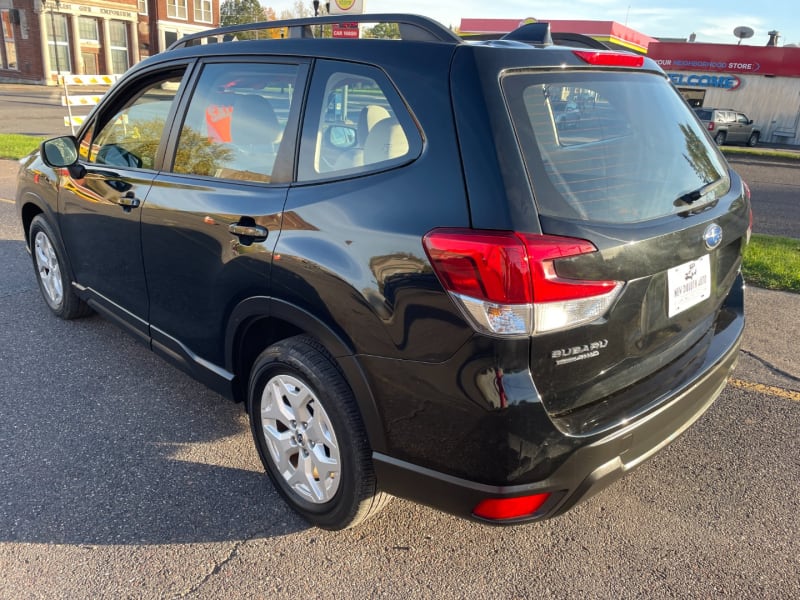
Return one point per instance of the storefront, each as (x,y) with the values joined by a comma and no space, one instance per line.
(760,81)
(41,39)
(45,38)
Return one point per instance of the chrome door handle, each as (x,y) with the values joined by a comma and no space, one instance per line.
(129,201)
(256,233)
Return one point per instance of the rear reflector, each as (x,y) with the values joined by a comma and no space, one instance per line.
(746,192)
(506,282)
(499,509)
(610,59)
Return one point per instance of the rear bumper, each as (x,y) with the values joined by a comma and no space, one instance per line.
(588,469)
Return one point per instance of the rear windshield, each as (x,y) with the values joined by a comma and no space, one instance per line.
(611,147)
(703,114)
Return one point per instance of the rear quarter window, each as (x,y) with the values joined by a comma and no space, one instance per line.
(355,123)
(610,147)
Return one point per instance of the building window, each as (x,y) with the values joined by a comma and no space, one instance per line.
(202,11)
(118,31)
(176,9)
(58,44)
(9,42)
(88,30)
(142,7)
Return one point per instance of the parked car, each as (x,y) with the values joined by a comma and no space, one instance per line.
(728,126)
(416,283)
(567,114)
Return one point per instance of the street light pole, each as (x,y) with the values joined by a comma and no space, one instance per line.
(53,27)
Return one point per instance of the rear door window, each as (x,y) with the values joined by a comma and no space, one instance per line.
(611,147)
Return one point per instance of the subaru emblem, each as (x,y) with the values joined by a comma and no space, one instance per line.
(712,236)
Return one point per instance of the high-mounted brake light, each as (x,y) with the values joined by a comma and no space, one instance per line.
(600,58)
(500,509)
(506,283)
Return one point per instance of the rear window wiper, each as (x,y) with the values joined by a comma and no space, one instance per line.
(695,195)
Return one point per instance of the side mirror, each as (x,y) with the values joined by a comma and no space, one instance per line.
(60,152)
(750,122)
(341,137)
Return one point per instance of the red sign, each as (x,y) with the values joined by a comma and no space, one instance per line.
(726,58)
(345,30)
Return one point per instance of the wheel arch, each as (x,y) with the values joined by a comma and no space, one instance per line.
(30,209)
(259,322)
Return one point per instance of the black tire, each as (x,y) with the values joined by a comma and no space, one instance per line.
(346,497)
(753,139)
(52,272)
(720,138)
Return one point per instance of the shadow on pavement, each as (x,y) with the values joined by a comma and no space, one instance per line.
(101,442)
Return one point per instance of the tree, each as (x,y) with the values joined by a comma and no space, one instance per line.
(239,12)
(300,10)
(383,31)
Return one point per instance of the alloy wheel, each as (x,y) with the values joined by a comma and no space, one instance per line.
(300,438)
(48,268)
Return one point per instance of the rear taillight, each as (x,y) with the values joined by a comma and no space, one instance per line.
(501,509)
(711,125)
(609,59)
(506,283)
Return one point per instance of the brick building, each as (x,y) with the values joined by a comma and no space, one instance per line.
(162,22)
(40,39)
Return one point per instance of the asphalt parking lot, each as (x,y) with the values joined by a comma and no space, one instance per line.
(123,478)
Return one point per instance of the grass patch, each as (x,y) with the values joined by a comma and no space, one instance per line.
(14,146)
(773,263)
(762,152)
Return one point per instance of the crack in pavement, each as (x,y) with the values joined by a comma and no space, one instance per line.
(234,552)
(217,568)
(771,367)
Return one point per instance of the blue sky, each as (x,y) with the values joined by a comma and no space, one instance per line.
(712,21)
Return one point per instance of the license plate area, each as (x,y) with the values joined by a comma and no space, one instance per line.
(688,284)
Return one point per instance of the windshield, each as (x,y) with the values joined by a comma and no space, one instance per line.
(611,147)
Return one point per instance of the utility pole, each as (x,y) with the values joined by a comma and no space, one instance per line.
(53,8)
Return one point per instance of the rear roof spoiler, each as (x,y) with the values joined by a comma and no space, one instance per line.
(537,34)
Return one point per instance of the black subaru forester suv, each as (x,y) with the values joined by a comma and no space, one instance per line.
(420,278)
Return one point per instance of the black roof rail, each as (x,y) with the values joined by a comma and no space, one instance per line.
(412,27)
